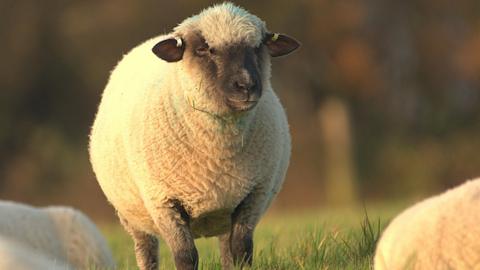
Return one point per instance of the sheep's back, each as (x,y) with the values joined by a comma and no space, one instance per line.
(57,232)
(441,232)
(14,255)
(30,227)
(84,244)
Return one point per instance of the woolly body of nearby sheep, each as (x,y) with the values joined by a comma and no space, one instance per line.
(16,256)
(442,232)
(183,146)
(63,234)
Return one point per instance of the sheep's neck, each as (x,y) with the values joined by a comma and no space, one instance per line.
(225,136)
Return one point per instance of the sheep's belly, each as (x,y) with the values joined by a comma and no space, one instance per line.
(212,223)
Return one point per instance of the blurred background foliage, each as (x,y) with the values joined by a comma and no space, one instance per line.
(383,97)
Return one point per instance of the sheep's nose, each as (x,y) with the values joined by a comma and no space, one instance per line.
(243,86)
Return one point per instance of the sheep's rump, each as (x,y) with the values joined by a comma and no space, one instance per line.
(442,232)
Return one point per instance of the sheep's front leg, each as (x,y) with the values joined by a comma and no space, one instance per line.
(173,224)
(146,247)
(236,247)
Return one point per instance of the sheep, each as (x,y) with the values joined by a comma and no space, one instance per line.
(190,139)
(59,232)
(16,256)
(441,232)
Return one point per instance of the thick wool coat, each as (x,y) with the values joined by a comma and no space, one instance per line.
(441,232)
(62,234)
(160,140)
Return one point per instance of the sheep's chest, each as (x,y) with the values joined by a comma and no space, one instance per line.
(207,182)
(207,167)
(211,181)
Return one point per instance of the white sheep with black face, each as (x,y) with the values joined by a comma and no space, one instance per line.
(60,234)
(190,139)
(441,232)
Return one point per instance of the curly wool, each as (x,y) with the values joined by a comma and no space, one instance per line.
(441,232)
(61,233)
(225,24)
(152,142)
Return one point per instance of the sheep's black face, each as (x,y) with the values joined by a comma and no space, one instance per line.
(228,76)
(233,71)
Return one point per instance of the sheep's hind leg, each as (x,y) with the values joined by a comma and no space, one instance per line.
(146,247)
(225,251)
(236,247)
(241,239)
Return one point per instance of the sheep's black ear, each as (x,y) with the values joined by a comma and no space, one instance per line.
(279,44)
(170,50)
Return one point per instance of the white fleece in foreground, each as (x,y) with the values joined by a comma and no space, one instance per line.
(442,232)
(15,256)
(61,233)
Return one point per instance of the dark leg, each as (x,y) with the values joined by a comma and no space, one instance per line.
(236,247)
(174,228)
(225,251)
(146,247)
(242,245)
(186,258)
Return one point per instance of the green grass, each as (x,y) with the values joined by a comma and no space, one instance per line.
(333,240)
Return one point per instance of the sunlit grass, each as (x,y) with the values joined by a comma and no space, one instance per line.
(333,240)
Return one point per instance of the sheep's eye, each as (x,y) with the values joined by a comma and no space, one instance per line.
(202,50)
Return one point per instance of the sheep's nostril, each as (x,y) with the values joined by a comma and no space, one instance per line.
(239,86)
(243,87)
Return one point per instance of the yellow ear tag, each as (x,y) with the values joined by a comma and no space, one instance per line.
(179,42)
(275,37)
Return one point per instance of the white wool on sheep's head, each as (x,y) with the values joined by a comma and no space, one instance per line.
(223,56)
(225,24)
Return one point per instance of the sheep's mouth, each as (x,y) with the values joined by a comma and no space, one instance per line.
(241,105)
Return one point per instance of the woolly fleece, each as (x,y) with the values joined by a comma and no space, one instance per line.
(442,232)
(16,256)
(151,145)
(58,232)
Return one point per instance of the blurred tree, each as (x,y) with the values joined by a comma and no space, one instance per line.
(339,173)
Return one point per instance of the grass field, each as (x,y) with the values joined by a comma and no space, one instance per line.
(324,240)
